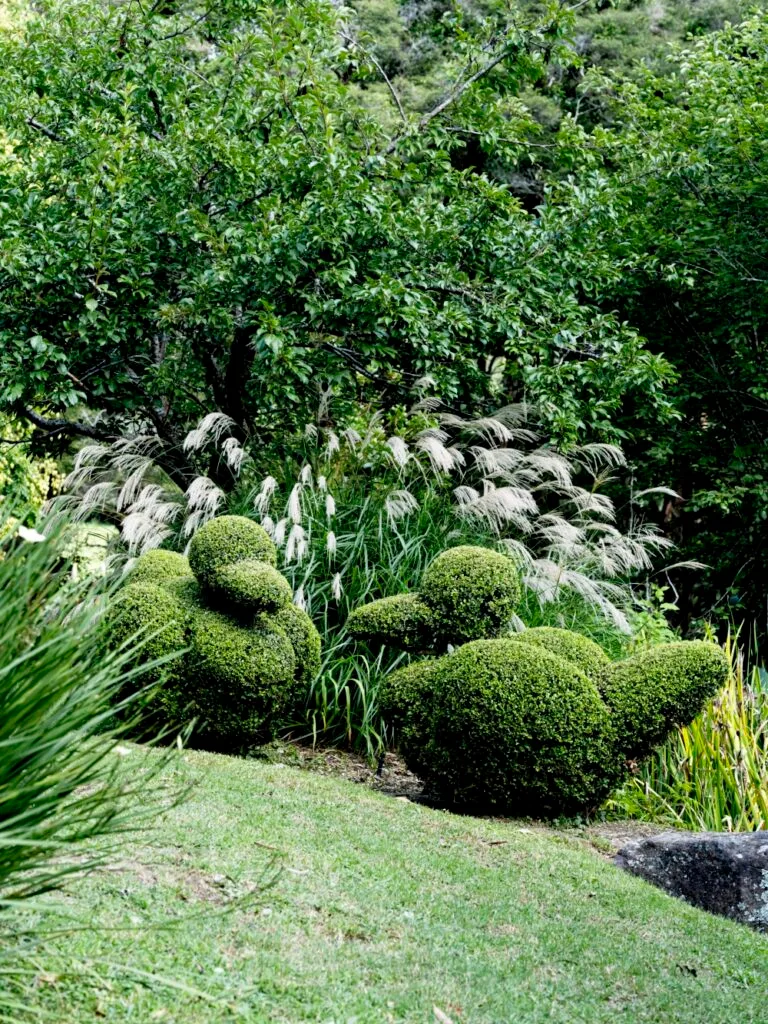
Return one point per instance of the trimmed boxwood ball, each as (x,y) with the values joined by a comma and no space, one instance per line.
(305,640)
(250,586)
(158,565)
(656,690)
(403,621)
(405,701)
(156,622)
(472,593)
(239,677)
(516,730)
(578,649)
(225,541)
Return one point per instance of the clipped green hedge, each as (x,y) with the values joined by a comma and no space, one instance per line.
(403,621)
(239,678)
(157,566)
(252,654)
(654,691)
(226,541)
(573,647)
(472,592)
(306,643)
(250,586)
(515,729)
(405,700)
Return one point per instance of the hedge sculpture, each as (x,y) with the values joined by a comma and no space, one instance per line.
(250,653)
(539,722)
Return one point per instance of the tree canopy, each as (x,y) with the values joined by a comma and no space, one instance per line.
(198,213)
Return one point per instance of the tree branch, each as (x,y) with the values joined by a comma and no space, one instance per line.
(44,130)
(451,98)
(60,426)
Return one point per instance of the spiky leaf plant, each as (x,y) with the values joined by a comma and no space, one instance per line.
(66,708)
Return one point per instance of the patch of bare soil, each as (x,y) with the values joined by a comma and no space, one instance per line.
(388,775)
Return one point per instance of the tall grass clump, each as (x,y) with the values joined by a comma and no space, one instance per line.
(713,773)
(66,708)
(358,513)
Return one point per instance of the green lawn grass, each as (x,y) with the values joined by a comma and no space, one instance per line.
(382,910)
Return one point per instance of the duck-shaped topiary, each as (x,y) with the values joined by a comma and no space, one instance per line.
(249,652)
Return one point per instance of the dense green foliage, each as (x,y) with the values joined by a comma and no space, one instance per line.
(660,688)
(669,210)
(214,218)
(250,654)
(573,647)
(514,728)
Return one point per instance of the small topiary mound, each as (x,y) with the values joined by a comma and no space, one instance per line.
(251,586)
(403,621)
(472,593)
(515,729)
(239,678)
(156,566)
(148,616)
(252,653)
(226,541)
(652,692)
(305,640)
(573,647)
(539,722)
(405,700)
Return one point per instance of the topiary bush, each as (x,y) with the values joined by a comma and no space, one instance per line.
(472,592)
(573,647)
(403,621)
(514,727)
(656,690)
(539,722)
(466,593)
(251,653)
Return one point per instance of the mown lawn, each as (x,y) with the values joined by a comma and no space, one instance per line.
(382,910)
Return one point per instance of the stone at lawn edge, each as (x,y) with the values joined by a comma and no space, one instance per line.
(724,873)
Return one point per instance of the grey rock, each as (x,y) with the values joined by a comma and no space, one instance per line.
(722,872)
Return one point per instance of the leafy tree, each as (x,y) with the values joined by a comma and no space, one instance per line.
(196,212)
(671,210)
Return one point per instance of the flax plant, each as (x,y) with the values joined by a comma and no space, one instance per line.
(712,774)
(66,708)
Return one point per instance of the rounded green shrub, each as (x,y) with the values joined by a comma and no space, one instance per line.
(573,647)
(654,691)
(472,593)
(250,587)
(251,654)
(151,616)
(516,730)
(305,640)
(158,565)
(403,621)
(239,677)
(225,541)
(405,701)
